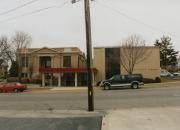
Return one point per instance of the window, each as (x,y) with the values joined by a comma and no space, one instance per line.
(117,77)
(45,62)
(24,61)
(112,62)
(24,75)
(67,61)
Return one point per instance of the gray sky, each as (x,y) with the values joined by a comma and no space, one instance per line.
(64,26)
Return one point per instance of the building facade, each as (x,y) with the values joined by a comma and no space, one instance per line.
(65,66)
(107,62)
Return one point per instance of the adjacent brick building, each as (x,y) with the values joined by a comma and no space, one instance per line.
(107,62)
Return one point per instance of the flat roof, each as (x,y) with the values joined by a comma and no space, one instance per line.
(121,46)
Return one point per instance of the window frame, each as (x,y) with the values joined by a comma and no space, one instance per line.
(67,61)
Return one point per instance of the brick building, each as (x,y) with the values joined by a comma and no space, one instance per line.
(64,65)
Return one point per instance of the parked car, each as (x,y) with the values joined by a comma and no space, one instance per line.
(177,74)
(14,86)
(165,73)
(133,81)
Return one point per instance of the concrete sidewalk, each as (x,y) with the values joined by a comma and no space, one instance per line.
(164,118)
(84,88)
(68,88)
(61,89)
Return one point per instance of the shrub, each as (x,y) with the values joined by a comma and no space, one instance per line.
(98,83)
(148,80)
(158,80)
(12,79)
(35,80)
(25,80)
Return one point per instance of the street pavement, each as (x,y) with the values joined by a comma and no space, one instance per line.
(104,100)
(148,108)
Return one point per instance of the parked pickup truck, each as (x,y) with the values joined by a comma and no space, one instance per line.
(133,81)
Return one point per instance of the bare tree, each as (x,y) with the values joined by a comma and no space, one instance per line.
(133,51)
(6,51)
(20,40)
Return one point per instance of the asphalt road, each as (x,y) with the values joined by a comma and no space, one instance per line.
(104,100)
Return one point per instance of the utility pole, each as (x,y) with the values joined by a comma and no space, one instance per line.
(89,55)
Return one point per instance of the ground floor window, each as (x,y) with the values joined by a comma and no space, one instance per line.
(82,79)
(24,75)
(67,79)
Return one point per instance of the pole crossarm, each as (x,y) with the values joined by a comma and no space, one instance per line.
(75,1)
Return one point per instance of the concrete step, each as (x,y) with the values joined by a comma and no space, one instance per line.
(50,120)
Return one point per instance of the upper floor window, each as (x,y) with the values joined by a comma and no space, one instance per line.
(24,61)
(45,62)
(67,61)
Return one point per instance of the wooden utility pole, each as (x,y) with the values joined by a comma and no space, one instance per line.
(89,55)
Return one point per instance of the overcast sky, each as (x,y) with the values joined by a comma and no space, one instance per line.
(112,21)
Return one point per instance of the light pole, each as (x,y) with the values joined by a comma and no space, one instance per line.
(89,54)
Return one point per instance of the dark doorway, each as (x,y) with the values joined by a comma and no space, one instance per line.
(68,79)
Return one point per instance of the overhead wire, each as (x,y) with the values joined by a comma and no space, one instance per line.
(18,7)
(131,18)
(34,12)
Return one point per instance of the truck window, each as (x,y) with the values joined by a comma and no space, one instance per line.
(117,77)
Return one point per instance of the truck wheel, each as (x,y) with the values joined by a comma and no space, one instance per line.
(106,87)
(135,85)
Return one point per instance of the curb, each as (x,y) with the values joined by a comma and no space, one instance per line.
(84,89)
(164,84)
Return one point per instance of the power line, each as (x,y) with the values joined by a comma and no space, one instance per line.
(131,18)
(34,12)
(18,7)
